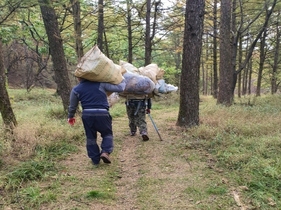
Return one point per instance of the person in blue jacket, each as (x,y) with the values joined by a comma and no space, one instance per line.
(95,116)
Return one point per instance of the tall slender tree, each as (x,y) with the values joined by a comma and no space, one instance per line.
(192,46)
(150,29)
(147,34)
(77,28)
(225,95)
(130,32)
(276,59)
(100,25)
(215,49)
(56,49)
(261,61)
(6,110)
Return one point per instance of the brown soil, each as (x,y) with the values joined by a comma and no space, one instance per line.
(136,160)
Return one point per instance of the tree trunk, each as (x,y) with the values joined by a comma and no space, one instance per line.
(225,94)
(274,85)
(261,63)
(100,26)
(56,50)
(245,72)
(215,56)
(204,79)
(250,70)
(192,47)
(240,55)
(6,110)
(130,32)
(77,28)
(205,67)
(234,44)
(147,34)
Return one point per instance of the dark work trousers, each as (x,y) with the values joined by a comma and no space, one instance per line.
(97,120)
(136,115)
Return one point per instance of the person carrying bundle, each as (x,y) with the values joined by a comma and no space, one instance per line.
(137,107)
(95,116)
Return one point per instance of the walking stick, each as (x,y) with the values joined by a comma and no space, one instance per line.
(155,127)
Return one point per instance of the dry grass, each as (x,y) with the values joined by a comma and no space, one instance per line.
(230,161)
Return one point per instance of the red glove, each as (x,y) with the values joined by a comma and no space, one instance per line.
(147,111)
(71,121)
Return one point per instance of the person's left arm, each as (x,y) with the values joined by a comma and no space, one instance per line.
(149,103)
(115,88)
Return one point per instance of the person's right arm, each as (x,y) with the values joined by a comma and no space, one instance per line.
(73,103)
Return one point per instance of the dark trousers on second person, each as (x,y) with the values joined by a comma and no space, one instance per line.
(136,115)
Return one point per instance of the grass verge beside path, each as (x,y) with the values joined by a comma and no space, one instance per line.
(230,161)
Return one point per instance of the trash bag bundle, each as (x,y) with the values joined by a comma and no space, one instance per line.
(162,87)
(153,72)
(137,84)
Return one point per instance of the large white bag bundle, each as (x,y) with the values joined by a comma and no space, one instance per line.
(137,84)
(152,71)
(129,67)
(95,66)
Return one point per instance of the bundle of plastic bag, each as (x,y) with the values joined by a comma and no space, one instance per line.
(162,87)
(137,84)
(112,99)
(95,66)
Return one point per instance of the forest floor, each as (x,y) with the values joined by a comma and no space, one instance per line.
(179,172)
(144,175)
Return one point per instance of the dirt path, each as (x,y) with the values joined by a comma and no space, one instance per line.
(129,171)
(149,174)
(152,161)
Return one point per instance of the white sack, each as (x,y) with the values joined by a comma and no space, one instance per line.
(129,67)
(152,71)
(95,66)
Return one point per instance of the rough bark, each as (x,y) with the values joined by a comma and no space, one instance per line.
(225,94)
(250,71)
(77,28)
(240,57)
(192,47)
(261,63)
(56,50)
(147,34)
(215,56)
(100,26)
(6,110)
(130,32)
(274,85)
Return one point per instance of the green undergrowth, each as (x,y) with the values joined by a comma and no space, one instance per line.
(234,149)
(244,141)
